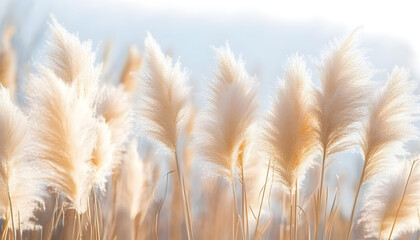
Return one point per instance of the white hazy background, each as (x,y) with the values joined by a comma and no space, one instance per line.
(263,32)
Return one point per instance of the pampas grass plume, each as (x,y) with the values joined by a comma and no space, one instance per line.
(226,124)
(390,122)
(20,173)
(289,136)
(66,134)
(163,103)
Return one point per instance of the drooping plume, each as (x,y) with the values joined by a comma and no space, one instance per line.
(20,173)
(66,135)
(226,124)
(383,198)
(344,76)
(289,136)
(163,103)
(390,122)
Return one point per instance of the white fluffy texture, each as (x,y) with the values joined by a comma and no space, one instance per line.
(163,102)
(383,197)
(115,107)
(344,76)
(390,122)
(73,61)
(136,182)
(289,135)
(225,125)
(103,154)
(19,174)
(66,135)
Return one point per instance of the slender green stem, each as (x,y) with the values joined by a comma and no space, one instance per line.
(402,199)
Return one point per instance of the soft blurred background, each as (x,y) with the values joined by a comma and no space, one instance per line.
(265,33)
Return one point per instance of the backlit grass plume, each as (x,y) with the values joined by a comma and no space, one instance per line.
(8,61)
(73,61)
(225,125)
(389,125)
(114,106)
(21,181)
(66,135)
(344,75)
(136,182)
(132,65)
(289,136)
(103,154)
(392,204)
(163,106)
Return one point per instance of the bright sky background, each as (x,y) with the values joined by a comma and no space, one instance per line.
(396,18)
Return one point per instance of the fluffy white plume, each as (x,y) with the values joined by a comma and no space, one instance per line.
(115,107)
(103,154)
(289,136)
(224,126)
(136,182)
(163,103)
(73,61)
(66,135)
(344,76)
(390,122)
(20,174)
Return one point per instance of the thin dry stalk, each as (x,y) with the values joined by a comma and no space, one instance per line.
(262,198)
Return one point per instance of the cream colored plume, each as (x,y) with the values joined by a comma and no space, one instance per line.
(289,135)
(8,61)
(132,65)
(136,182)
(224,128)
(114,106)
(390,122)
(66,135)
(344,76)
(20,173)
(73,61)
(382,200)
(103,154)
(164,96)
